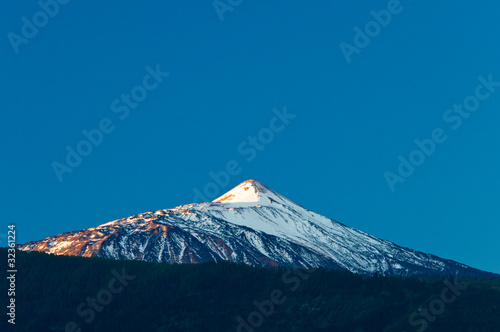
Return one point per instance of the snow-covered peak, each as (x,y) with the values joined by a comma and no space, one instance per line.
(252,192)
(254,205)
(245,192)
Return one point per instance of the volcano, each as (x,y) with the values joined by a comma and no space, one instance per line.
(250,224)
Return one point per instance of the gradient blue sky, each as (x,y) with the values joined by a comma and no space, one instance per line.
(353,120)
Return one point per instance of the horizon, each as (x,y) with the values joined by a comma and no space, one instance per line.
(380,115)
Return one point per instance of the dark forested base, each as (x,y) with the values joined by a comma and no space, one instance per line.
(52,291)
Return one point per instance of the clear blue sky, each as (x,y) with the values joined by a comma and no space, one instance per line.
(353,120)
